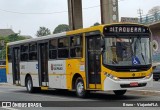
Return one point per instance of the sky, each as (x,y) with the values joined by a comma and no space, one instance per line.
(27,16)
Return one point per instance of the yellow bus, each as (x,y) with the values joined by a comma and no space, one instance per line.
(113,57)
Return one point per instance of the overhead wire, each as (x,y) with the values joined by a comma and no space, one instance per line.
(56,12)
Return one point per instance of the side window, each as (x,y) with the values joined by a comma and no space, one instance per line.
(63,47)
(33,51)
(24,52)
(53,49)
(9,54)
(2,62)
(76,46)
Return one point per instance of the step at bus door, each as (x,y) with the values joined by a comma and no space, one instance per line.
(43,64)
(16,65)
(93,61)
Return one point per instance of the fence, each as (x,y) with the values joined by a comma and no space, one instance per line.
(150,19)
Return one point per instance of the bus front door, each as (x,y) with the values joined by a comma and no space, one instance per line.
(93,62)
(16,65)
(43,64)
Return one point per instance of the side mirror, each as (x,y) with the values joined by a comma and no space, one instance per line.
(102,43)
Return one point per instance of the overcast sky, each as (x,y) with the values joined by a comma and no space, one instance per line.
(29,23)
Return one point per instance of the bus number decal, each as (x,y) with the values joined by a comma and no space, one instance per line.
(82,68)
(22,66)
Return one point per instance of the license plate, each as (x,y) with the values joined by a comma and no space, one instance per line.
(134,84)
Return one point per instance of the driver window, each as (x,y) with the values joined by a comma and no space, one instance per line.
(111,50)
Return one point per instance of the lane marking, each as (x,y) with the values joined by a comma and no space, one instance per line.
(147,91)
(41,95)
(7,108)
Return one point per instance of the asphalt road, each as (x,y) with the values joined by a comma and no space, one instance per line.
(14,93)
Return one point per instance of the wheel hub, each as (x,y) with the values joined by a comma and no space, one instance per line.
(29,85)
(80,87)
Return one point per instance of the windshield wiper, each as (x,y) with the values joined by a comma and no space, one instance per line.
(135,46)
(141,49)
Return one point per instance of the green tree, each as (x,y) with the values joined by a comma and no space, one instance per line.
(13,37)
(43,31)
(61,28)
(6,39)
(96,24)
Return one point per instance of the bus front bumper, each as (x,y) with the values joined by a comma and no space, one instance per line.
(127,84)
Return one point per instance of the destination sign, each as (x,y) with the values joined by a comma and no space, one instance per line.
(126,29)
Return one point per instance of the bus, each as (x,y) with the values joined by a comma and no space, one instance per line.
(114,57)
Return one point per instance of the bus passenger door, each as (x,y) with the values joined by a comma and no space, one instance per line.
(16,65)
(43,64)
(93,61)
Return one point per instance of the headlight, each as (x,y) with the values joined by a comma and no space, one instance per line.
(112,77)
(148,76)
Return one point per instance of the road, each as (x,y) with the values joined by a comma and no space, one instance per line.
(15,93)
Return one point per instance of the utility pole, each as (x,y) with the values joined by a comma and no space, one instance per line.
(140,12)
(109,11)
(75,14)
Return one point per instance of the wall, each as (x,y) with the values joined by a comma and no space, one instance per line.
(156,43)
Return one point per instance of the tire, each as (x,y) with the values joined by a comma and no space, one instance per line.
(79,85)
(119,92)
(156,79)
(29,85)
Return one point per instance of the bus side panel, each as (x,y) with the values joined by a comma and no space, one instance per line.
(10,74)
(33,71)
(57,74)
(74,66)
(23,72)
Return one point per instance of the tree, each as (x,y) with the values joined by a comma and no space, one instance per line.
(96,24)
(43,31)
(61,28)
(13,37)
(154,10)
(7,39)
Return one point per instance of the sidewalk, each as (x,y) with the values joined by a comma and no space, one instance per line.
(6,84)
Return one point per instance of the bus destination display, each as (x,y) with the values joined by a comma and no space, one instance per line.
(126,29)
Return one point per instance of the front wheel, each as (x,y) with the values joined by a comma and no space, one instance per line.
(29,85)
(119,92)
(79,85)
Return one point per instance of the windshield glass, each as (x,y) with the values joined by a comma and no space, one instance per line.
(127,51)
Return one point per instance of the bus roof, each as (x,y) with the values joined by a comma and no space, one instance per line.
(37,39)
(83,30)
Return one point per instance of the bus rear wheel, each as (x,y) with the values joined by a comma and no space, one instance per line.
(79,85)
(29,85)
(119,92)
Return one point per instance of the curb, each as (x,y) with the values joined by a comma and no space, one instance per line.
(153,91)
(6,84)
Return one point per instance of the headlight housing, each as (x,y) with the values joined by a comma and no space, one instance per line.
(148,76)
(112,77)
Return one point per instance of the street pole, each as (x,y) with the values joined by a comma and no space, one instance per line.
(140,12)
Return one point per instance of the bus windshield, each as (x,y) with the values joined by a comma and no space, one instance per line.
(127,51)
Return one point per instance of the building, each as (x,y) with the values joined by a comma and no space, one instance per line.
(6,32)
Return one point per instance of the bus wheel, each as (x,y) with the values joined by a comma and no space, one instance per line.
(79,85)
(29,85)
(119,92)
